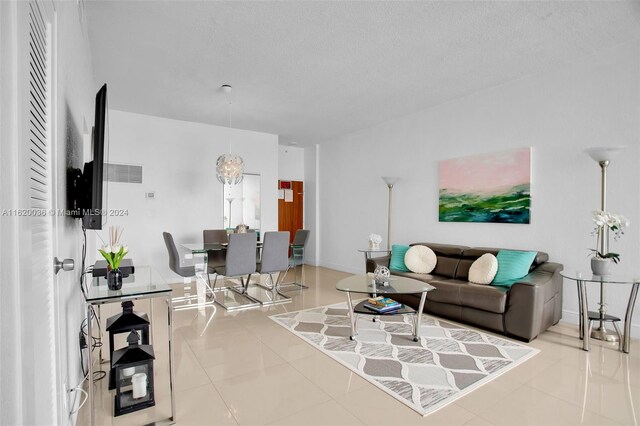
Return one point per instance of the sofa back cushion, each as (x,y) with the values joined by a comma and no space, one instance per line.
(448,257)
(396,263)
(471,254)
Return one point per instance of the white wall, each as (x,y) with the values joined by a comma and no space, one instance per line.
(560,113)
(290,163)
(178,160)
(311,217)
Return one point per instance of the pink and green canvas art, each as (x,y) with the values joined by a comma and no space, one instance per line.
(492,187)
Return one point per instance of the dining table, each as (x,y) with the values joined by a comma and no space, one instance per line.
(201,252)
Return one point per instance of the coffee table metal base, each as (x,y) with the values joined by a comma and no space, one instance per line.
(359,309)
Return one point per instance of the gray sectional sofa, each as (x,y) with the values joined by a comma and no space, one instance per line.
(525,310)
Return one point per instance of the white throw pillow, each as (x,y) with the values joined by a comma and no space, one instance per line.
(420,259)
(484,269)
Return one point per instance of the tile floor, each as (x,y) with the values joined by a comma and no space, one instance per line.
(242,368)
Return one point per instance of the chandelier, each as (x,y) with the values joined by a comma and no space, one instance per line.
(229,167)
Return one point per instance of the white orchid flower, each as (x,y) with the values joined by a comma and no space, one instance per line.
(116,248)
(106,248)
(126,249)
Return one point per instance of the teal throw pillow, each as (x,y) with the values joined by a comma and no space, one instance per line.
(512,265)
(397,258)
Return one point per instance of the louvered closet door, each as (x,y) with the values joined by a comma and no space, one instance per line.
(39,347)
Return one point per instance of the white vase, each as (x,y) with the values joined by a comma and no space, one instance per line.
(600,266)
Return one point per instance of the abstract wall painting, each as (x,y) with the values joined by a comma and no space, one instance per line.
(492,187)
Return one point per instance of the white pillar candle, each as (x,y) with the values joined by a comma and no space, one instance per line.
(139,382)
(128,372)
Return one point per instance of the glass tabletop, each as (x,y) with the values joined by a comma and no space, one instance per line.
(144,282)
(368,250)
(204,248)
(396,285)
(590,277)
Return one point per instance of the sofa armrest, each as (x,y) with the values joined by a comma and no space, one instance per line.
(377,261)
(524,313)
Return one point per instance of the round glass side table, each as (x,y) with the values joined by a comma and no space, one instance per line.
(587,317)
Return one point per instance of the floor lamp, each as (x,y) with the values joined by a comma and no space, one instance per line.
(390,181)
(603,156)
(230,200)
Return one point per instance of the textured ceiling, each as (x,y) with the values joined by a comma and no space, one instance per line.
(310,71)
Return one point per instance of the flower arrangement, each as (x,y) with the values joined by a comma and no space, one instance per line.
(613,222)
(114,252)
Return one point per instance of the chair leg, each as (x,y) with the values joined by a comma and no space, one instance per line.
(294,283)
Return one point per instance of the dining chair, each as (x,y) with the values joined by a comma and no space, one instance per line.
(185,271)
(215,258)
(275,259)
(296,259)
(240,262)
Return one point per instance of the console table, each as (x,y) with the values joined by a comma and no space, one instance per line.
(145,283)
(587,317)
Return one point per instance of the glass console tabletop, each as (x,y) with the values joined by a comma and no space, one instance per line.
(145,282)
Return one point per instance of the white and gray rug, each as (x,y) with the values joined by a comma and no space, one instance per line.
(449,361)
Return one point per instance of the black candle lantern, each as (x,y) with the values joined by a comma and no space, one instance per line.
(133,370)
(123,323)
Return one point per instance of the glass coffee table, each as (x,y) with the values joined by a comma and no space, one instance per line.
(365,284)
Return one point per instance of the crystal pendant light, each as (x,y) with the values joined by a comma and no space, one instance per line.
(229,167)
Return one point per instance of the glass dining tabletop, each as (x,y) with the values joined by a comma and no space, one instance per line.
(395,285)
(207,247)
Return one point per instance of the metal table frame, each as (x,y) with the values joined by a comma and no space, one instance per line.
(386,290)
(202,275)
(121,298)
(585,320)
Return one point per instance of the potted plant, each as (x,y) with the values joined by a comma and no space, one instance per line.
(605,222)
(113,254)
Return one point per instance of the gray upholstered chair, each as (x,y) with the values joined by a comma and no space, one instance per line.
(185,271)
(297,257)
(275,259)
(215,258)
(174,258)
(240,262)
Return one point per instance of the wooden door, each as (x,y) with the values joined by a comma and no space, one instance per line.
(290,213)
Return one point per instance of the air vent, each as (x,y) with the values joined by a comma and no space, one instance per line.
(124,173)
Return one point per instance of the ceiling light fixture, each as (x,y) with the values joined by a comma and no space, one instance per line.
(229,167)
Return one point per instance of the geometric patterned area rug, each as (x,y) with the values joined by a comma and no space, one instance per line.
(449,361)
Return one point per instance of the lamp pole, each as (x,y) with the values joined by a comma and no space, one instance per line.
(603,156)
(390,181)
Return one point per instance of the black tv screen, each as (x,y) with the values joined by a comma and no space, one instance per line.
(94,170)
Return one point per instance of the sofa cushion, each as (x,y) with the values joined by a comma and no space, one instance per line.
(448,257)
(484,269)
(446,291)
(420,259)
(421,277)
(397,258)
(512,265)
(471,254)
(484,297)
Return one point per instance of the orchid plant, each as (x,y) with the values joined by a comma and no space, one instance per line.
(612,222)
(114,252)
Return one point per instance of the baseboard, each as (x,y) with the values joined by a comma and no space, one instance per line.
(571,317)
(343,268)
